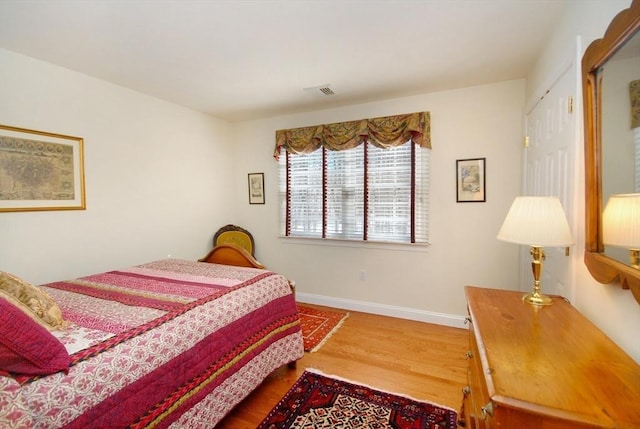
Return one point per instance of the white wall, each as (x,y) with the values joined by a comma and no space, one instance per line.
(155,175)
(612,309)
(483,121)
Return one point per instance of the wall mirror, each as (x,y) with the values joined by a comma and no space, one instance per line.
(609,65)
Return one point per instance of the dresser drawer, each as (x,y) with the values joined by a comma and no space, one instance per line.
(477,396)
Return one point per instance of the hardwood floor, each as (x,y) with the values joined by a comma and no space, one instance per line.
(421,360)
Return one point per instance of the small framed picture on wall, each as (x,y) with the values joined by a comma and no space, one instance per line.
(470,180)
(256,188)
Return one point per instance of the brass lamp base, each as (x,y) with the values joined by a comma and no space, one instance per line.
(634,258)
(536,298)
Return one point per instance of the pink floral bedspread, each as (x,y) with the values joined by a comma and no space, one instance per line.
(171,343)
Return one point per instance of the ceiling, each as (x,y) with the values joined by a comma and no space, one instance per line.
(248,59)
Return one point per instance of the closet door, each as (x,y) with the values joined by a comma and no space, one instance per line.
(550,170)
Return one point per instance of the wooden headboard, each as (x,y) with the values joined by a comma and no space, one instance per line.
(230,254)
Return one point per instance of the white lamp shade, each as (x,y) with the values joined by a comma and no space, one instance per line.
(621,221)
(536,221)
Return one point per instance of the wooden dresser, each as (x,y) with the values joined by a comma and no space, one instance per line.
(543,367)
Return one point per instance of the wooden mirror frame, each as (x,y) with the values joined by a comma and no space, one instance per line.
(602,267)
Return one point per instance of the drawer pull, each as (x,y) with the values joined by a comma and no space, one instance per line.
(466,390)
(487,410)
(468,355)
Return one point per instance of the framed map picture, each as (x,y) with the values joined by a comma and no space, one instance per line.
(40,171)
(470,180)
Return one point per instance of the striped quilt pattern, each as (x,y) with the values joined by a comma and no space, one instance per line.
(168,344)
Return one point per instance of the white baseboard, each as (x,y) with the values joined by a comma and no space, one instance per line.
(383,310)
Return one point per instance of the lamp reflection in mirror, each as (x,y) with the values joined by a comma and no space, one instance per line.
(538,222)
(621,225)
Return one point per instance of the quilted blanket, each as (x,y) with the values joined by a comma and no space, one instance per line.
(171,343)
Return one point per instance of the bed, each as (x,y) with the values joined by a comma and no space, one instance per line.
(170,343)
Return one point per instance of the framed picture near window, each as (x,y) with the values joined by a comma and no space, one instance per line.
(40,171)
(470,180)
(256,188)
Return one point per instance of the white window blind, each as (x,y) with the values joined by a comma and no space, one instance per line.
(389,193)
(364,193)
(305,195)
(345,193)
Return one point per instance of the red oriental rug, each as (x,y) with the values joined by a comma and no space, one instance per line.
(318,401)
(318,326)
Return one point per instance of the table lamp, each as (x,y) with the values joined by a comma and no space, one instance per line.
(621,225)
(538,222)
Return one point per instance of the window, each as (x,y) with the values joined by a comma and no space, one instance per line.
(363,193)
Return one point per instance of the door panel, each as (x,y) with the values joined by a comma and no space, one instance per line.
(550,170)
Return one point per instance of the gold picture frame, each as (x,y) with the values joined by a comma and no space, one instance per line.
(256,188)
(470,180)
(40,171)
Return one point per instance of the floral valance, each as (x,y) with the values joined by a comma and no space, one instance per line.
(383,132)
(634,93)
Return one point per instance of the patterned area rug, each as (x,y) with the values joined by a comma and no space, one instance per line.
(318,401)
(318,326)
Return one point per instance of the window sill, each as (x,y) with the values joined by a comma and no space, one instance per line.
(405,247)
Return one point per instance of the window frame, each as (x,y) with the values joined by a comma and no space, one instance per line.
(415,207)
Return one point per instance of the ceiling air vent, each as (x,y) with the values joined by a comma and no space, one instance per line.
(320,90)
